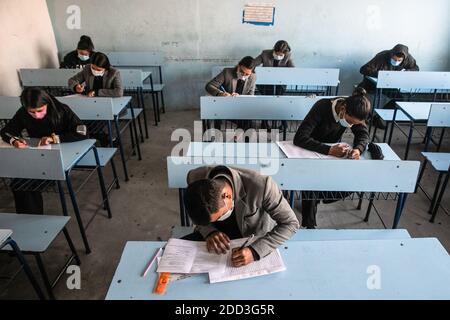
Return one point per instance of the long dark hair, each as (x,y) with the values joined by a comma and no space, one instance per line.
(282,46)
(85,43)
(101,60)
(34,97)
(358,104)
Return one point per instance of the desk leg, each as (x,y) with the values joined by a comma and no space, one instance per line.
(44,275)
(439,199)
(163,104)
(77,213)
(102,183)
(398,210)
(26,268)
(408,144)
(436,192)
(133,124)
(71,246)
(292,199)
(392,126)
(142,103)
(182,213)
(369,208)
(422,171)
(121,151)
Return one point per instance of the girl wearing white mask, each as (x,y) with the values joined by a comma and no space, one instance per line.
(322,131)
(80,57)
(98,79)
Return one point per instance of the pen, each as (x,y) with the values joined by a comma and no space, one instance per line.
(223,89)
(246,242)
(15,138)
(155,256)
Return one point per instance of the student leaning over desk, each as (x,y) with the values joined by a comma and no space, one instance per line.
(98,79)
(226,203)
(43,117)
(79,57)
(325,124)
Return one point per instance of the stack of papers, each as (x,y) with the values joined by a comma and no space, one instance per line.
(192,257)
(293,152)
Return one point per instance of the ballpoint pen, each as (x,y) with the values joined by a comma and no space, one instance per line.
(246,242)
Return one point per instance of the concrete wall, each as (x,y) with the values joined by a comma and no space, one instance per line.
(198,34)
(27,41)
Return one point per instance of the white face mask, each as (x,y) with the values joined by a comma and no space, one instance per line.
(344,123)
(83,58)
(277,57)
(227,214)
(97,73)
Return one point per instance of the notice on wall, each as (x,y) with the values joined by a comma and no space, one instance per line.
(262,14)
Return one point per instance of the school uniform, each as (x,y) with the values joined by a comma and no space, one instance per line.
(228,80)
(109,85)
(72,61)
(260,209)
(381,62)
(65,126)
(321,126)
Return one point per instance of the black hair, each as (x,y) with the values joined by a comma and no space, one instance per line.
(203,198)
(358,104)
(282,46)
(399,54)
(34,97)
(100,60)
(85,43)
(247,62)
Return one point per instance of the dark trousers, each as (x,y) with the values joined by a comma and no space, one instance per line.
(29,202)
(311,199)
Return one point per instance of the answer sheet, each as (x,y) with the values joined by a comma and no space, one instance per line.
(271,264)
(294,152)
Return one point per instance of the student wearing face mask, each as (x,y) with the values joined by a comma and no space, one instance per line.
(45,118)
(232,82)
(278,57)
(226,203)
(79,57)
(325,124)
(396,59)
(98,79)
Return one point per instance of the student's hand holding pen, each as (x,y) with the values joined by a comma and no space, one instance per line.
(339,150)
(20,144)
(243,255)
(224,94)
(79,88)
(355,154)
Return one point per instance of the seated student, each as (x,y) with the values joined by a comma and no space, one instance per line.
(236,81)
(43,117)
(98,79)
(278,57)
(325,124)
(226,203)
(396,59)
(79,57)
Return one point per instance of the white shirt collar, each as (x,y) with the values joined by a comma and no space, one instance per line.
(333,108)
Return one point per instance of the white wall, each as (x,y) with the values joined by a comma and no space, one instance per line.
(198,34)
(27,41)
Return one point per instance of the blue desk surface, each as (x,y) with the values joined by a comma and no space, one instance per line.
(254,150)
(72,152)
(417,111)
(439,160)
(4,235)
(33,233)
(409,269)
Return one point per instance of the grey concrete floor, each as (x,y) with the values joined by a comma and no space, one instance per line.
(145,209)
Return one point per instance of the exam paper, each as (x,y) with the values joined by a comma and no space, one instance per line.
(270,264)
(182,256)
(292,151)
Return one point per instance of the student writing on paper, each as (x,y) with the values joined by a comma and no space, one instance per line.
(240,80)
(325,124)
(396,59)
(81,56)
(226,203)
(43,117)
(98,79)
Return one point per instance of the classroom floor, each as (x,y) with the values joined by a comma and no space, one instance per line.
(146,209)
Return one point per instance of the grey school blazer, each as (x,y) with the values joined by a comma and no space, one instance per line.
(112,83)
(228,79)
(259,206)
(266,59)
